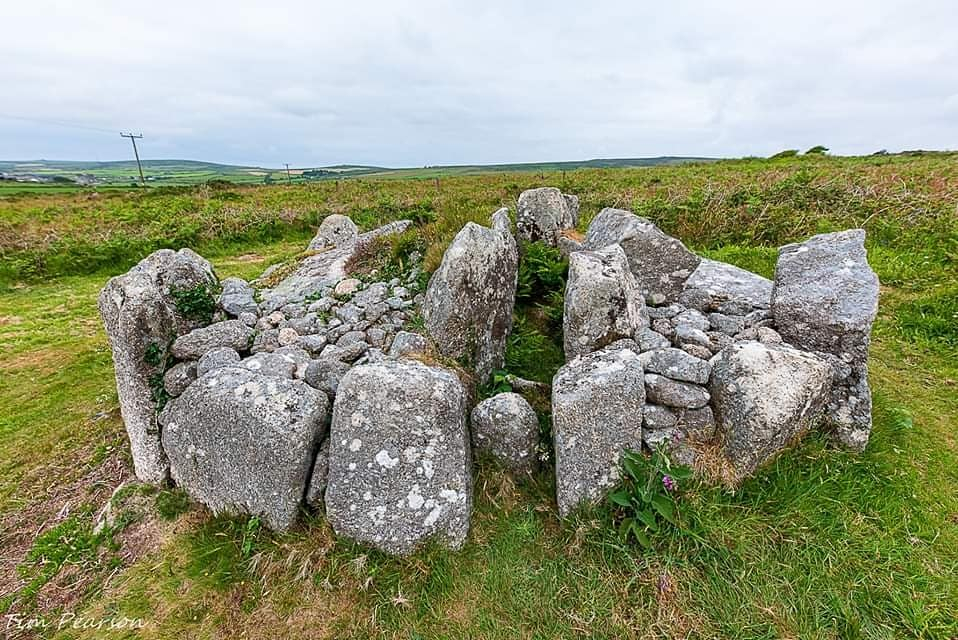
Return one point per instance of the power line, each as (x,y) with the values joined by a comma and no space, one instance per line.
(59,123)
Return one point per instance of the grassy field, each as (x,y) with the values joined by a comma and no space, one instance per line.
(822,544)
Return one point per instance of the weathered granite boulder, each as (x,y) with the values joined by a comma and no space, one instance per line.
(603,303)
(323,269)
(469,300)
(764,398)
(677,364)
(141,318)
(501,221)
(217,358)
(506,427)
(229,333)
(673,393)
(399,459)
(237,297)
(825,299)
(542,213)
(178,377)
(407,343)
(335,230)
(325,373)
(241,442)
(714,283)
(661,264)
(597,407)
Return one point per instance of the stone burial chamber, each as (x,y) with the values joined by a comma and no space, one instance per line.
(327,387)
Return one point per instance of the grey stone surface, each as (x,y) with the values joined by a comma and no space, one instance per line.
(139,316)
(316,490)
(335,230)
(270,364)
(265,340)
(720,283)
(178,377)
(698,425)
(287,336)
(764,335)
(656,417)
(406,343)
(672,393)
(692,318)
(501,221)
(237,297)
(687,334)
(677,364)
(825,299)
(729,325)
(324,374)
(542,213)
(764,398)
(597,408)
(602,301)
(313,344)
(506,427)
(399,458)
(216,358)
(649,339)
(229,333)
(469,301)
(345,353)
(241,442)
(661,264)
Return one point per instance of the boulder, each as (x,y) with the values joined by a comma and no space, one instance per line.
(715,283)
(408,343)
(178,377)
(506,427)
(597,407)
(825,299)
(661,264)
(229,333)
(335,231)
(216,359)
(501,221)
(469,300)
(325,373)
(672,393)
(237,297)
(243,443)
(542,213)
(677,364)
(140,318)
(764,398)
(399,460)
(602,301)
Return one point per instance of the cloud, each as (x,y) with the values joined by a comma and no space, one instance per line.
(415,83)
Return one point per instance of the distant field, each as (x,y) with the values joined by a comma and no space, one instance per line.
(822,544)
(190,172)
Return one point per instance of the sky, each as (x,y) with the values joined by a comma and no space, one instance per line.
(408,84)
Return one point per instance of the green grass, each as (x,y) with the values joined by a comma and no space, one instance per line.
(822,544)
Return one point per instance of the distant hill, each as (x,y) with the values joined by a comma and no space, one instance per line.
(64,173)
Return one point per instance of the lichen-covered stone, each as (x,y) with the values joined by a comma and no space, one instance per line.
(717,283)
(603,303)
(469,300)
(178,377)
(141,318)
(597,407)
(243,443)
(677,364)
(672,393)
(399,459)
(335,230)
(408,343)
(506,427)
(764,398)
(236,297)
(825,299)
(542,213)
(229,333)
(661,264)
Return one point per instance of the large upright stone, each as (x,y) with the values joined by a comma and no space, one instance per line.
(825,299)
(244,443)
(597,407)
(661,263)
(141,319)
(336,230)
(543,213)
(764,398)
(603,303)
(469,301)
(714,283)
(399,460)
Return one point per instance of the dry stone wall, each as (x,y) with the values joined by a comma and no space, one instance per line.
(314,388)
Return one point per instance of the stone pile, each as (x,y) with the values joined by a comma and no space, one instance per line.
(310,390)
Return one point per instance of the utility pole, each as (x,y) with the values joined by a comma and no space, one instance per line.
(289,181)
(133,138)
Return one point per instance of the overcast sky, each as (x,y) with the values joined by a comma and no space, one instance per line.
(415,83)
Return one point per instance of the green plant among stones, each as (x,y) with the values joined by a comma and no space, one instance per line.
(647,503)
(196,303)
(498,383)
